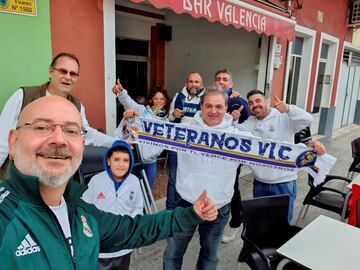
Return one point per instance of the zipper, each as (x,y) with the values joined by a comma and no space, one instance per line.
(73,260)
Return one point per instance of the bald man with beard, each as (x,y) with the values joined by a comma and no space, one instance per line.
(44,223)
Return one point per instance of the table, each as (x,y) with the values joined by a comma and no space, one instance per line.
(325,244)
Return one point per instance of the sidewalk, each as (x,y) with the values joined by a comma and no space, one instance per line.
(338,146)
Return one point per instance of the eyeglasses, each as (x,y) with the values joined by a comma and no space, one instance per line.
(63,72)
(71,131)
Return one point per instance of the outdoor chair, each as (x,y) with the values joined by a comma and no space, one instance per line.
(303,136)
(91,164)
(328,197)
(266,228)
(355,165)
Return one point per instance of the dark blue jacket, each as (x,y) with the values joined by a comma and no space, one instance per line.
(235,103)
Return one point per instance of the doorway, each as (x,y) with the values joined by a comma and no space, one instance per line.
(132,65)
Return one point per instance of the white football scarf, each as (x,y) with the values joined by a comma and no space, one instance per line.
(206,142)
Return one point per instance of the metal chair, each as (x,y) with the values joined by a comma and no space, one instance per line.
(266,228)
(327,197)
(139,171)
(355,165)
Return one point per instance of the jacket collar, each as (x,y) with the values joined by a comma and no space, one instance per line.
(27,187)
(199,93)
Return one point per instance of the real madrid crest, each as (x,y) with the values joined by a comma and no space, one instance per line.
(86,229)
(130,130)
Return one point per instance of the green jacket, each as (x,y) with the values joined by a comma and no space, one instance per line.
(31,237)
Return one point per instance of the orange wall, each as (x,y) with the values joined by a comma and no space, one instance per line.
(77,27)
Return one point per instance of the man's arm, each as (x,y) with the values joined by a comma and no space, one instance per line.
(299,119)
(129,103)
(94,137)
(249,125)
(8,120)
(123,232)
(125,99)
(245,112)
(172,108)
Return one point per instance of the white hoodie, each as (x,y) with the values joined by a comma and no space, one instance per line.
(279,127)
(195,173)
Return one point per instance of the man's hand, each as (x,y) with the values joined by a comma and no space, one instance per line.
(117,88)
(237,113)
(280,105)
(234,94)
(130,113)
(205,208)
(318,147)
(178,113)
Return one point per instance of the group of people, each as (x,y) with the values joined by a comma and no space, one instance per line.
(42,136)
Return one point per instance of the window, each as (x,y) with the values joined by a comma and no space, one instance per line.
(321,78)
(294,72)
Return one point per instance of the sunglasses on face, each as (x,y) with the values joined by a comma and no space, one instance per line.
(64,72)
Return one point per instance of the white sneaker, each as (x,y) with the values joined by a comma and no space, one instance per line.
(230,235)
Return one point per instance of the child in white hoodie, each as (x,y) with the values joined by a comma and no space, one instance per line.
(117,191)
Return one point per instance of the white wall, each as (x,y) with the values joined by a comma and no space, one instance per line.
(207,47)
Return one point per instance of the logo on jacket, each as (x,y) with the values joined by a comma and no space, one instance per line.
(3,194)
(100,196)
(86,229)
(131,197)
(27,247)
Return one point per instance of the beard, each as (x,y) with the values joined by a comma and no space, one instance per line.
(48,177)
(192,91)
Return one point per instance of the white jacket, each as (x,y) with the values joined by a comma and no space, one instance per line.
(195,173)
(127,200)
(10,115)
(148,154)
(280,127)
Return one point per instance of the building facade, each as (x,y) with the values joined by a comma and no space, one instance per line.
(299,51)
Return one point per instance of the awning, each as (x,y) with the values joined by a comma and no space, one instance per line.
(234,12)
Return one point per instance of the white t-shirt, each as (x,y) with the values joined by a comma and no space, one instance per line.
(61,213)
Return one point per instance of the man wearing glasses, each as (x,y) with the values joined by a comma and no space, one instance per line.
(44,222)
(63,72)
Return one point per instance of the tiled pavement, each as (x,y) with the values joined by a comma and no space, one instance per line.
(338,146)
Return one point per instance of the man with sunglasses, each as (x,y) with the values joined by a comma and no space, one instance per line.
(63,73)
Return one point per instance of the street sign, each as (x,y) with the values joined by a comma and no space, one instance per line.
(21,7)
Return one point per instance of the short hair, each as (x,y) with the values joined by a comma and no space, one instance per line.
(214,90)
(154,91)
(226,71)
(193,72)
(117,150)
(64,54)
(255,92)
